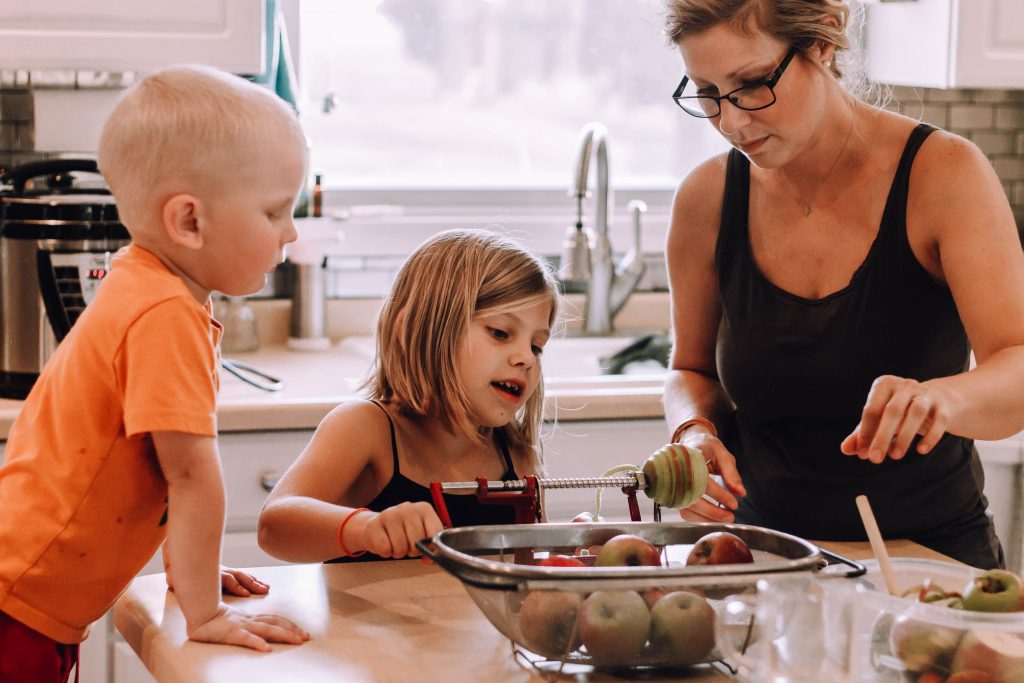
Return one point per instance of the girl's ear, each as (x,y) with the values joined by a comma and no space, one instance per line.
(181,222)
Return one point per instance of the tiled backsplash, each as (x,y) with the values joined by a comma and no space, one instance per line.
(992,119)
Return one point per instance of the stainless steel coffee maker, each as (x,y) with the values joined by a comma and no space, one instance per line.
(59,229)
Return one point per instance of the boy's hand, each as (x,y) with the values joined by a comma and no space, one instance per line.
(393,532)
(232,626)
(242,584)
(232,582)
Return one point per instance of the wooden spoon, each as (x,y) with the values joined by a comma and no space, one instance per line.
(877,544)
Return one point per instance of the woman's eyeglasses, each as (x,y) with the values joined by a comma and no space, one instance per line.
(750,97)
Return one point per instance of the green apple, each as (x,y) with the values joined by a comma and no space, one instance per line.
(922,646)
(547,622)
(628,550)
(996,590)
(682,628)
(614,626)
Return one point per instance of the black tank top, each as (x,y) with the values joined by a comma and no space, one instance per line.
(464,509)
(799,371)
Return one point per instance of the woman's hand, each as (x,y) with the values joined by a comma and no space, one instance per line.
(896,411)
(721,462)
(394,532)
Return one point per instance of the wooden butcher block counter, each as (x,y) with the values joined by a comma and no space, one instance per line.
(377,621)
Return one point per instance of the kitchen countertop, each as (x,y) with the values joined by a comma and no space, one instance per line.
(374,621)
(316,381)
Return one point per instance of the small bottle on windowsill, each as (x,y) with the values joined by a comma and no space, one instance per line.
(318,197)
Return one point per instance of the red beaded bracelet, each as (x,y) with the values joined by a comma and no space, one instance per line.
(341,528)
(704,422)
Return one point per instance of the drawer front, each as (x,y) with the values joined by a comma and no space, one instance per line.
(253,461)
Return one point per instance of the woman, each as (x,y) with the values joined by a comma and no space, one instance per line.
(829,277)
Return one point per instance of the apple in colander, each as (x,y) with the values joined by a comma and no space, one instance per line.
(614,626)
(547,622)
(682,628)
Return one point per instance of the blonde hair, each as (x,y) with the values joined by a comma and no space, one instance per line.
(452,277)
(799,23)
(185,129)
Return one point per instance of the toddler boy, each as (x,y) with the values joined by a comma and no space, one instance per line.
(114,451)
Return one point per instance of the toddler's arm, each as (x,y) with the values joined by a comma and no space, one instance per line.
(233,581)
(195,522)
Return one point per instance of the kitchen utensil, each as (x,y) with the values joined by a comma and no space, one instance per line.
(867,516)
(480,557)
(58,231)
(250,375)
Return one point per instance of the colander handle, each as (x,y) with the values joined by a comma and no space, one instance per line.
(856,568)
(465,574)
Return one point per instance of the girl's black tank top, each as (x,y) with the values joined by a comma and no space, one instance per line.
(464,510)
(799,371)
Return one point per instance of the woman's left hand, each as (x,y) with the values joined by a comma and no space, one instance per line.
(897,410)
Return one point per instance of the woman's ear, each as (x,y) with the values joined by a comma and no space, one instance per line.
(181,221)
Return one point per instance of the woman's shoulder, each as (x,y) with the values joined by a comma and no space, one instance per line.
(697,206)
(707,177)
(942,154)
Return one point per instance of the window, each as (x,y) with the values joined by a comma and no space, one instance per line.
(491,94)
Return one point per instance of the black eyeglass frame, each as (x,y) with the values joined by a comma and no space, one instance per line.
(769,82)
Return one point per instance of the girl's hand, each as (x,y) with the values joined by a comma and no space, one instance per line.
(232,626)
(721,462)
(237,582)
(897,410)
(394,532)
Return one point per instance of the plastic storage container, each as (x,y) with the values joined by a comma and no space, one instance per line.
(896,639)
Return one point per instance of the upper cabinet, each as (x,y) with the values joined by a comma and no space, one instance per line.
(136,35)
(946,43)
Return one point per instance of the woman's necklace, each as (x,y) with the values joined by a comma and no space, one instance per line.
(807,203)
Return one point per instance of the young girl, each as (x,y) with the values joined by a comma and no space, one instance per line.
(455,393)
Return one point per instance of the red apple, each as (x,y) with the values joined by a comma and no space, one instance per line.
(614,626)
(931,677)
(720,547)
(996,590)
(560,561)
(922,646)
(682,628)
(627,550)
(547,622)
(997,653)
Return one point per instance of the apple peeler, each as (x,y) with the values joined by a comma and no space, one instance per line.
(524,494)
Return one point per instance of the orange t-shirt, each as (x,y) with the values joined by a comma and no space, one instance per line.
(83,502)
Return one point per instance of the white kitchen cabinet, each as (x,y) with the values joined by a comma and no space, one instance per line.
(946,43)
(114,35)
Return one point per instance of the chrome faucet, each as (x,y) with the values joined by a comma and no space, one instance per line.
(587,254)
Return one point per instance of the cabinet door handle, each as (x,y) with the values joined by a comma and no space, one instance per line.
(268,480)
